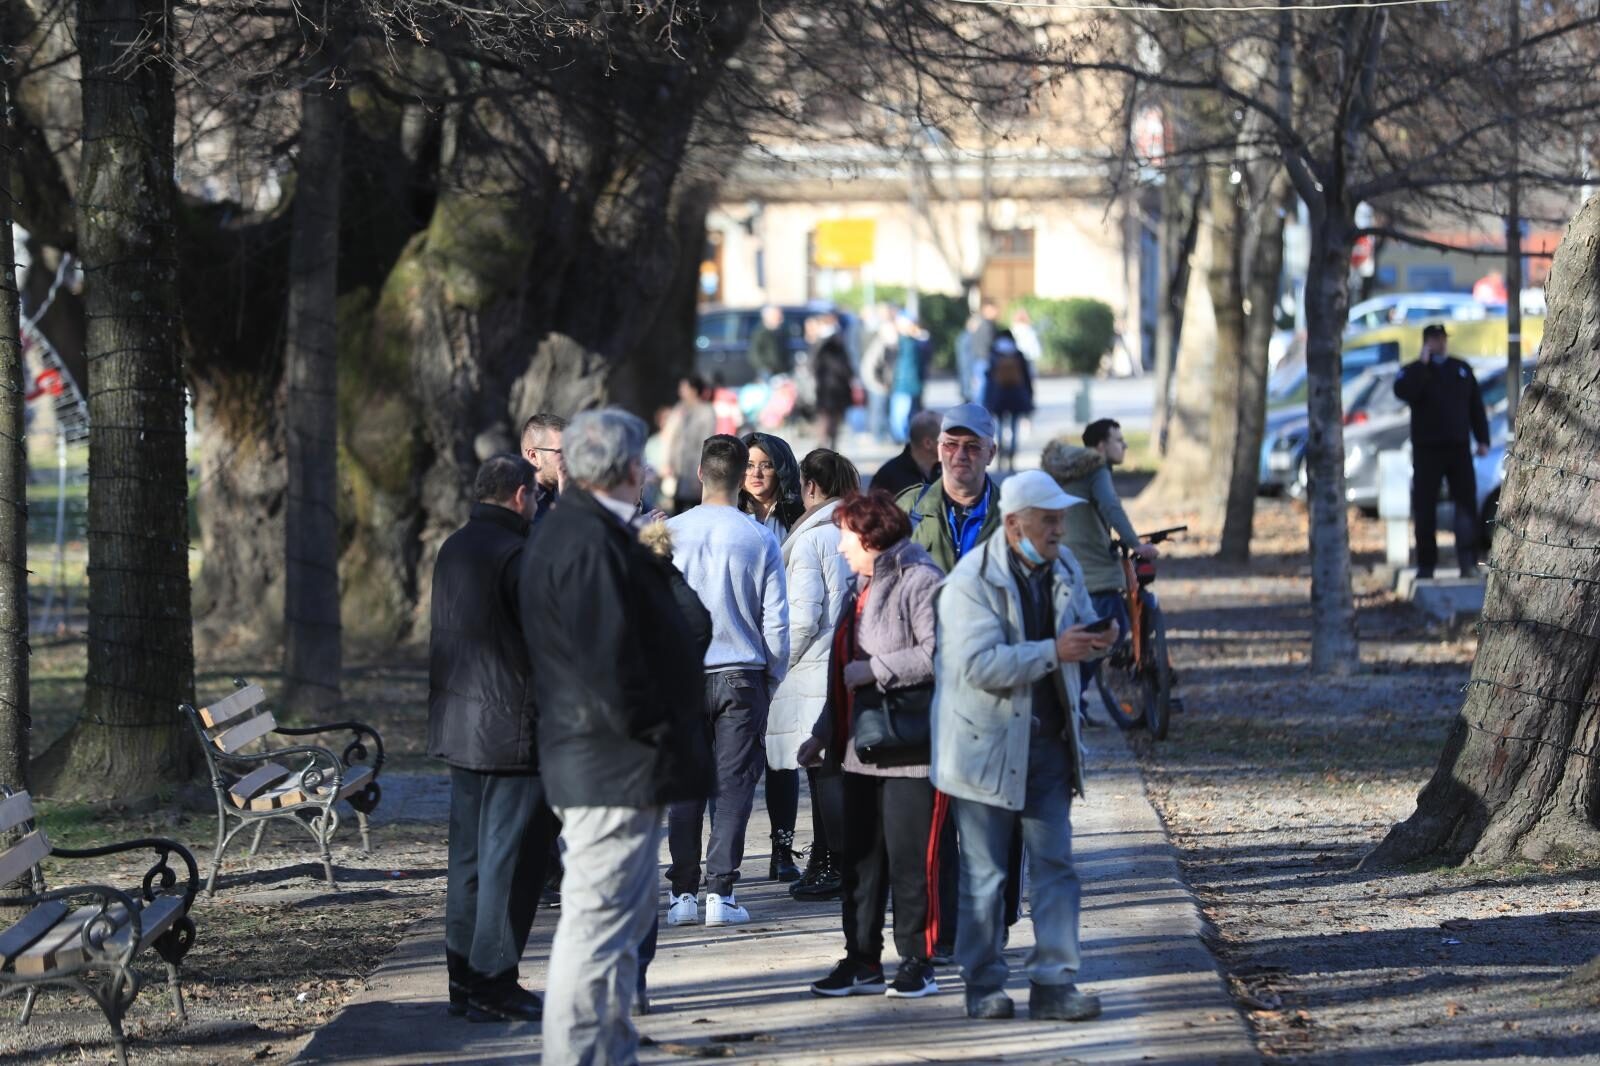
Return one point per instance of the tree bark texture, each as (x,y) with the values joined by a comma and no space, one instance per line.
(1261,267)
(1225,284)
(1334,648)
(312,647)
(1520,773)
(128,742)
(15,723)
(1185,473)
(1180,216)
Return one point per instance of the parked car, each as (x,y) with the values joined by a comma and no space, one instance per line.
(722,341)
(1287,386)
(1395,308)
(1284,442)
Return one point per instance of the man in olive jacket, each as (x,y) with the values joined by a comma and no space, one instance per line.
(955,514)
(481,723)
(618,653)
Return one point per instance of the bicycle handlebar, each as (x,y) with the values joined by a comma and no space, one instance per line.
(1158,537)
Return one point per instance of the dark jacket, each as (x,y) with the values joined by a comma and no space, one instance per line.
(902,472)
(543,500)
(617,646)
(1446,404)
(830,366)
(479,714)
(769,351)
(790,506)
(930,522)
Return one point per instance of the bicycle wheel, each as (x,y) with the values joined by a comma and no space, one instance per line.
(1120,690)
(1156,678)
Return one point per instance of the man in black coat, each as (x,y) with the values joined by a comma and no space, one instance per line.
(618,650)
(918,463)
(480,721)
(1446,414)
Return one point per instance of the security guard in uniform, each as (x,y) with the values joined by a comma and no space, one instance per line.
(1446,414)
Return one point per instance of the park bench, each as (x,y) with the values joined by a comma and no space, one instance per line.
(299,782)
(87,936)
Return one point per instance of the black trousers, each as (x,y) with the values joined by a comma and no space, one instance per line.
(500,832)
(891,838)
(1451,464)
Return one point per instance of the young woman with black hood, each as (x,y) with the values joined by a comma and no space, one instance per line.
(772,497)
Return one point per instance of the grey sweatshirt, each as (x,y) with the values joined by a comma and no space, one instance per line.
(736,568)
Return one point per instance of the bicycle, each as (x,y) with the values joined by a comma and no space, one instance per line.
(1136,679)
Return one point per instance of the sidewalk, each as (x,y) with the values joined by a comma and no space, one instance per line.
(742,993)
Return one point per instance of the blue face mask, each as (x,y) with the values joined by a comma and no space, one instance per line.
(1030,553)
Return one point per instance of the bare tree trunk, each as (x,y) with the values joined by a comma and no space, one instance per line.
(1225,283)
(127,743)
(1185,473)
(1519,776)
(312,652)
(1263,266)
(15,722)
(1334,648)
(1180,216)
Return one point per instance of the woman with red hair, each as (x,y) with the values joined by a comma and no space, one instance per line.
(873,732)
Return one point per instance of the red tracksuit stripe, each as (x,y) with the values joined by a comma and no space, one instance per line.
(941,808)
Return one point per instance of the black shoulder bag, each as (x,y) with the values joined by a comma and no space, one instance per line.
(893,728)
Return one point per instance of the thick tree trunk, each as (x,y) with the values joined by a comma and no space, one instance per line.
(1185,473)
(1180,217)
(1225,284)
(1263,263)
(1520,772)
(15,723)
(128,742)
(1334,648)
(312,649)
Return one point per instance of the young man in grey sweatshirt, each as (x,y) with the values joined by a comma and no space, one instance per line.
(735,567)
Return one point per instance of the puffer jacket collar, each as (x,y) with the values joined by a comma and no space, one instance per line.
(822,516)
(1068,462)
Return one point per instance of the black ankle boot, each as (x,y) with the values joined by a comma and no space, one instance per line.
(821,879)
(782,867)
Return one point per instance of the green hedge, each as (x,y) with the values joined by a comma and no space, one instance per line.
(1073,333)
(944,317)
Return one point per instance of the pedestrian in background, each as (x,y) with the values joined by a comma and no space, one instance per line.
(910,375)
(541,446)
(918,461)
(878,356)
(1446,414)
(769,346)
(1011,631)
(818,581)
(692,421)
(835,382)
(891,828)
(735,567)
(1008,393)
(481,722)
(621,730)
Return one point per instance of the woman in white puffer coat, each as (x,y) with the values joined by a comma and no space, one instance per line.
(818,584)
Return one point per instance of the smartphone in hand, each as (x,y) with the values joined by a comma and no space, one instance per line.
(1099,625)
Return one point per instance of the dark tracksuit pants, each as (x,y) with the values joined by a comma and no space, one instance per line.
(500,832)
(1452,464)
(736,702)
(891,837)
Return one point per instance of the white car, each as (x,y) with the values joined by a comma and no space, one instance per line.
(1399,307)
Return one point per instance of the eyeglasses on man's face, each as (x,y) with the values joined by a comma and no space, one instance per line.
(961,446)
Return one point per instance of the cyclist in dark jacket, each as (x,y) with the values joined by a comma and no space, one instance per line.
(481,723)
(1446,414)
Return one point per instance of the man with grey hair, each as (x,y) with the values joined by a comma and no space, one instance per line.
(619,689)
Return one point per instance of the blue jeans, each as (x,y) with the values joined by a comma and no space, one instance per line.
(878,414)
(1114,604)
(1056,895)
(902,405)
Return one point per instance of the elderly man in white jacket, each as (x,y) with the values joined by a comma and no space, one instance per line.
(1006,743)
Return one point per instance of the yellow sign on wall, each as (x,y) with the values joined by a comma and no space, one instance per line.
(843,243)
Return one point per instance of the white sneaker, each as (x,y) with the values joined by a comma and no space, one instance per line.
(722,910)
(685,911)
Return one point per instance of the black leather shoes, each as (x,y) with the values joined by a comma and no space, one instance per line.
(1061,1003)
(509,1005)
(990,1005)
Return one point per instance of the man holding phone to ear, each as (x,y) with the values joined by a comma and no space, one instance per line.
(1012,627)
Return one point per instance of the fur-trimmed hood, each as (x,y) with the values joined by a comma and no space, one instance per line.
(1070,462)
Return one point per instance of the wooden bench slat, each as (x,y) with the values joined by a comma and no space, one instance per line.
(155,918)
(256,782)
(15,810)
(232,706)
(35,924)
(289,794)
(23,856)
(63,945)
(231,740)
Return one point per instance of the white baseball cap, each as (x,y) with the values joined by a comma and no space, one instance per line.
(1033,488)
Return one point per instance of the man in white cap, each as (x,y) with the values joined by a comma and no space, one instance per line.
(1012,618)
(952,516)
